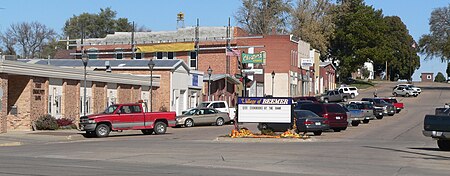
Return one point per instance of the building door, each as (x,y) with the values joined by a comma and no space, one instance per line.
(181,102)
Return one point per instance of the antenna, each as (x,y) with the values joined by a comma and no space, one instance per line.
(180,20)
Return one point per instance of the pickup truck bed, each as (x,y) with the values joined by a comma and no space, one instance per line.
(438,127)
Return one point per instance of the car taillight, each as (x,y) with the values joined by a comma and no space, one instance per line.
(325,116)
(308,122)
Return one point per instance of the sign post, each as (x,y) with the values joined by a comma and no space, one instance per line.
(268,110)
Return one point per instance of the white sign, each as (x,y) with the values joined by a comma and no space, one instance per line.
(307,62)
(254,71)
(269,110)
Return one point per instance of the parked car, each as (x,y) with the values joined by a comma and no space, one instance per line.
(202,116)
(398,106)
(368,109)
(334,96)
(417,89)
(221,106)
(300,102)
(352,91)
(388,109)
(131,116)
(336,114)
(404,91)
(356,115)
(306,121)
(310,98)
(438,127)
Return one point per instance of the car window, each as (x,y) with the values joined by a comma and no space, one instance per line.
(200,112)
(316,108)
(352,106)
(210,111)
(125,109)
(342,90)
(219,105)
(330,93)
(110,109)
(345,89)
(336,92)
(204,104)
(136,109)
(190,112)
(352,88)
(334,108)
(304,114)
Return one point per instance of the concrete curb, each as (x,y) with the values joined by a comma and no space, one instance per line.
(262,140)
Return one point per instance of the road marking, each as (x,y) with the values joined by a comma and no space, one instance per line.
(11,144)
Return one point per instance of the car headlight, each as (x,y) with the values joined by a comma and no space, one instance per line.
(91,121)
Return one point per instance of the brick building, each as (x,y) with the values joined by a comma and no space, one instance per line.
(180,88)
(29,91)
(427,77)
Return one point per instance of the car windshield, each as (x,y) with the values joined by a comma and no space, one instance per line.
(110,109)
(204,104)
(190,112)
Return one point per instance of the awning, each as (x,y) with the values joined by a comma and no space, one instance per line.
(166,47)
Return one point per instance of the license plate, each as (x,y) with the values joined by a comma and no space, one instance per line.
(337,117)
(318,123)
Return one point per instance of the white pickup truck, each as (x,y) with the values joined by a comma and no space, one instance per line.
(221,106)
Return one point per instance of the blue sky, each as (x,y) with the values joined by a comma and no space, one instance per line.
(161,15)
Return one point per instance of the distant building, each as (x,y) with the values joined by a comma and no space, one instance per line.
(427,77)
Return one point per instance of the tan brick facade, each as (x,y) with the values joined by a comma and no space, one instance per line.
(99,97)
(4,102)
(19,96)
(71,100)
(124,94)
(38,98)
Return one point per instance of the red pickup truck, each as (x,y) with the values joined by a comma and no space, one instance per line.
(120,117)
(398,106)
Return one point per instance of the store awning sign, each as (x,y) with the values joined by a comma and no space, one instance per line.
(253,58)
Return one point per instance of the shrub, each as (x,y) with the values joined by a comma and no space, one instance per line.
(46,122)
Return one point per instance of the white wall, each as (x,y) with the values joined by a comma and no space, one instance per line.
(180,79)
(281,84)
(55,97)
(88,100)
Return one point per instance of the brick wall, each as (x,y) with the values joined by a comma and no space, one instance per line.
(98,97)
(135,93)
(38,98)
(71,100)
(124,93)
(4,102)
(19,88)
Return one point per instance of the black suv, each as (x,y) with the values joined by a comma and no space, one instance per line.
(388,109)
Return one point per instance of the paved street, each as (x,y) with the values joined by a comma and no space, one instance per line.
(391,146)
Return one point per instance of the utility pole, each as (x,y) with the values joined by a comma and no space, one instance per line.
(132,43)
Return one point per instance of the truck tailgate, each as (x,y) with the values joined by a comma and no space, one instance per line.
(437,123)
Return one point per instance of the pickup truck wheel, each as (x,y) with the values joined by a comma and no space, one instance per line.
(147,132)
(160,128)
(355,123)
(219,121)
(444,144)
(366,121)
(189,123)
(325,100)
(102,130)
(317,133)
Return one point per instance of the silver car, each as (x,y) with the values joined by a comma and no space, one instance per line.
(202,116)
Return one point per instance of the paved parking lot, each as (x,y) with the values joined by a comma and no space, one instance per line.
(391,146)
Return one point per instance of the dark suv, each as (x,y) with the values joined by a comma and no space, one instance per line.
(336,114)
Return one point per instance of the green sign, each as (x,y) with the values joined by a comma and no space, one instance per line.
(252,58)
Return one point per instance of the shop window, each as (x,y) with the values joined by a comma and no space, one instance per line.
(138,55)
(193,59)
(57,104)
(165,55)
(119,53)
(159,55)
(92,53)
(170,55)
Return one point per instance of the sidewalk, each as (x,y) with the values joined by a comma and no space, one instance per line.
(17,138)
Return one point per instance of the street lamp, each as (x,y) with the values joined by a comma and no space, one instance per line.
(151,65)
(85,60)
(273,78)
(209,82)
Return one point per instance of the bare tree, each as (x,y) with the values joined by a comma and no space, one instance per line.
(437,43)
(312,22)
(263,16)
(8,43)
(30,37)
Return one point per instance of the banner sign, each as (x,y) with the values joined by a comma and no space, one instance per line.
(269,110)
(307,62)
(194,79)
(253,58)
